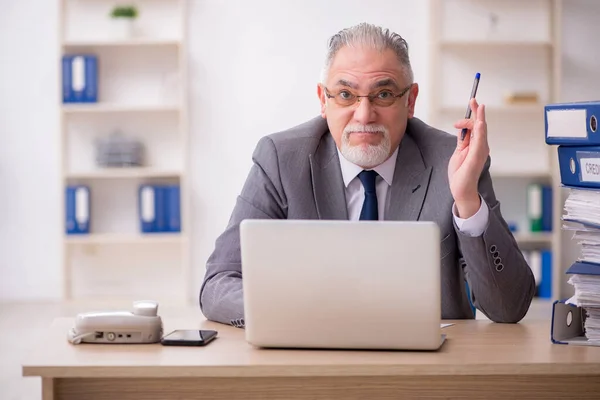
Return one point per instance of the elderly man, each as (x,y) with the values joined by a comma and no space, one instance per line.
(367,157)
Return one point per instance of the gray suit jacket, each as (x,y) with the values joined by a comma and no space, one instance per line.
(296,175)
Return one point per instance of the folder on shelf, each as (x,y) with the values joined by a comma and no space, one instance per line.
(544,289)
(579,166)
(151,209)
(547,208)
(77,213)
(540,262)
(173,211)
(80,78)
(159,208)
(572,124)
(534,207)
(539,207)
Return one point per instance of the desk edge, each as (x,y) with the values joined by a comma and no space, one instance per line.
(308,371)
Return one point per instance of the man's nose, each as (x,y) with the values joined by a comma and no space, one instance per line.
(364,112)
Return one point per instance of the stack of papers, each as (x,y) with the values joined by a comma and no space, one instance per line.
(582,218)
(583,205)
(588,238)
(587,296)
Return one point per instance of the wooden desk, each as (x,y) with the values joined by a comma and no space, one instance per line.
(480,359)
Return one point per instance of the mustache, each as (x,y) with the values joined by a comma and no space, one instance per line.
(370,128)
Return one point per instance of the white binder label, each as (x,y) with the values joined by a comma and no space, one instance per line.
(82,202)
(590,169)
(78,74)
(534,201)
(147,204)
(567,123)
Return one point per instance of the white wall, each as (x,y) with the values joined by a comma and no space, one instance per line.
(29,165)
(254,68)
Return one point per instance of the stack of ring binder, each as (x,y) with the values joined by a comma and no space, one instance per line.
(574,128)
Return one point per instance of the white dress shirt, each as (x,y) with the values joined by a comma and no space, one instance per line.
(355,195)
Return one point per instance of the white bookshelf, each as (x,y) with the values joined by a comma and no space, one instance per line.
(515,45)
(142,93)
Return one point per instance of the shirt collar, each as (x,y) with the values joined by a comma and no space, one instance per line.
(385,170)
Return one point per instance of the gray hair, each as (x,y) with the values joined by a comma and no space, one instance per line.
(371,36)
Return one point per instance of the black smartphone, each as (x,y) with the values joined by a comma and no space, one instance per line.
(189,337)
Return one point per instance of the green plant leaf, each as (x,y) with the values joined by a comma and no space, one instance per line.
(124,12)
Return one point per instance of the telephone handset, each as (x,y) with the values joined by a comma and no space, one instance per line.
(143,325)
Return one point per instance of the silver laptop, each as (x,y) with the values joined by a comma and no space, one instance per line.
(341,284)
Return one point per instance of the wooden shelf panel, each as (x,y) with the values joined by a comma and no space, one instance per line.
(121,43)
(520,109)
(494,43)
(521,174)
(73,108)
(130,239)
(124,173)
(534,238)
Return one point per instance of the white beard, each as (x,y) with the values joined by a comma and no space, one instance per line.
(366,155)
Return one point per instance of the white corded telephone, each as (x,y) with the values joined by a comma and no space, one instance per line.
(143,325)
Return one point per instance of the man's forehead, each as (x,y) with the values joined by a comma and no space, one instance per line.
(365,67)
(371,84)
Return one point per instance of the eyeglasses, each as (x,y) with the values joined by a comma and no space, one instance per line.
(382,98)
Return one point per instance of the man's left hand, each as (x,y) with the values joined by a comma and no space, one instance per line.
(467,162)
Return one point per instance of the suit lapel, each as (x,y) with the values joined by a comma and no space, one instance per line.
(410,183)
(327,181)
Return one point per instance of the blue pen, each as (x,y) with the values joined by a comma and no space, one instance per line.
(473,93)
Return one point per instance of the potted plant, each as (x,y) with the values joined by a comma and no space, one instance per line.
(123,18)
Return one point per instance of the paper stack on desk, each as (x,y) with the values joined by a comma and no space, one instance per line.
(587,296)
(582,217)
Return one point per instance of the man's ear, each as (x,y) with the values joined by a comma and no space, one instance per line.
(412,99)
(322,100)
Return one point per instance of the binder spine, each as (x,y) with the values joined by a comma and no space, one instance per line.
(160,207)
(174,209)
(545,287)
(78,211)
(534,207)
(91,72)
(579,166)
(155,209)
(80,78)
(68,96)
(572,124)
(147,209)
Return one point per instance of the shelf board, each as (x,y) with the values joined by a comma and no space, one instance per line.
(533,238)
(72,108)
(522,109)
(125,172)
(120,42)
(494,43)
(521,174)
(120,238)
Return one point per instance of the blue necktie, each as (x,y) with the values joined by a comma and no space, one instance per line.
(369,209)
